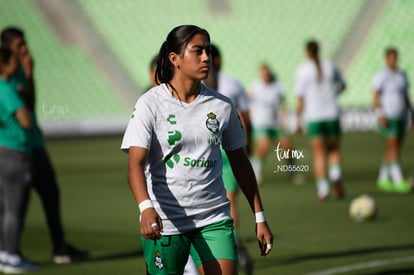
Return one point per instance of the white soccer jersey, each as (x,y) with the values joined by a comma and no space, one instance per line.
(320,96)
(393,87)
(232,88)
(184,160)
(265,102)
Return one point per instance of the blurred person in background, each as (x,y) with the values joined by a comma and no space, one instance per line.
(152,68)
(234,90)
(392,106)
(269,116)
(15,169)
(43,174)
(318,84)
(173,141)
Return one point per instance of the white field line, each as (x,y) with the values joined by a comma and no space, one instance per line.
(365,265)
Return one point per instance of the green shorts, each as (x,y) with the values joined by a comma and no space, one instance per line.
(169,255)
(272,133)
(396,128)
(328,129)
(230,182)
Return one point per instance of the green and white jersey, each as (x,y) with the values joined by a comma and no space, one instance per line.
(320,95)
(233,89)
(393,87)
(184,163)
(266,100)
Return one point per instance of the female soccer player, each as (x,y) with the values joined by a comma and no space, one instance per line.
(392,103)
(318,84)
(267,103)
(177,129)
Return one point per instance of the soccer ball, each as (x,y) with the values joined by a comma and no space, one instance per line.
(362,208)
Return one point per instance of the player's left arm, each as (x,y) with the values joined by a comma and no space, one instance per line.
(247,126)
(244,175)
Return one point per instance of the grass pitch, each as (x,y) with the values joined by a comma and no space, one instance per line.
(100,215)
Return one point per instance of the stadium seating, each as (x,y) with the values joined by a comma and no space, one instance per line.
(393,28)
(69,87)
(246,32)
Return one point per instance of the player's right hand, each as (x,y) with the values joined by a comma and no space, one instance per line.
(151,224)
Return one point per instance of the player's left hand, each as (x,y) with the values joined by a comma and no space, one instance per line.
(264,237)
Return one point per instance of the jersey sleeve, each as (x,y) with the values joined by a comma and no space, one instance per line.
(377,82)
(233,136)
(300,82)
(140,127)
(243,100)
(11,101)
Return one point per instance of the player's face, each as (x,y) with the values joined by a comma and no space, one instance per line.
(17,45)
(265,75)
(392,59)
(194,62)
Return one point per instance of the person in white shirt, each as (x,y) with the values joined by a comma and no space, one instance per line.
(392,104)
(318,84)
(173,142)
(268,114)
(234,90)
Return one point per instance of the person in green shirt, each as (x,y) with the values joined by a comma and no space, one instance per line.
(43,178)
(15,168)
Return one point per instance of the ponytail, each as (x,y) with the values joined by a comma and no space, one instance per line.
(312,47)
(165,70)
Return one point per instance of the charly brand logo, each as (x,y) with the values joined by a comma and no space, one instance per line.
(171,119)
(212,123)
(290,156)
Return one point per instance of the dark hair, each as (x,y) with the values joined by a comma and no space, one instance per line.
(176,40)
(10,33)
(391,50)
(215,52)
(5,55)
(313,47)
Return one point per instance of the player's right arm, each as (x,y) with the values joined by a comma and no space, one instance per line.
(136,177)
(378,110)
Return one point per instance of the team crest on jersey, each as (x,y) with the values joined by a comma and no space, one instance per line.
(212,123)
(158,260)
